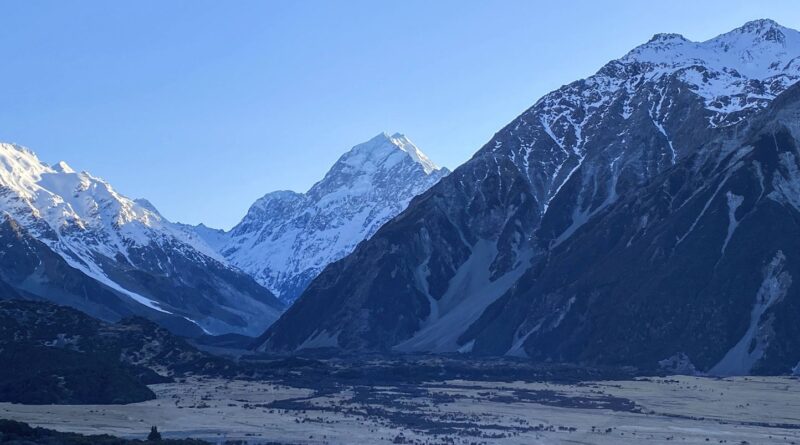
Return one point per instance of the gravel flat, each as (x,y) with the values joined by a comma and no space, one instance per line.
(753,410)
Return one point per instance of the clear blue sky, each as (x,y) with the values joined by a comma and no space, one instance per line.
(204,106)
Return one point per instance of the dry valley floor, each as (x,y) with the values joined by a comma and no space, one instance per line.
(688,410)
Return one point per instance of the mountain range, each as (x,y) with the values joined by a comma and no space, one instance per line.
(72,239)
(645,215)
(648,215)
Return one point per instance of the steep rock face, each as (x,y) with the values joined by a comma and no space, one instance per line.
(701,264)
(428,275)
(287,238)
(115,251)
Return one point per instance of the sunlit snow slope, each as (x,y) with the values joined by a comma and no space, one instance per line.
(124,245)
(287,238)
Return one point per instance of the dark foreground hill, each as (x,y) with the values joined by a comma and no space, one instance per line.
(55,354)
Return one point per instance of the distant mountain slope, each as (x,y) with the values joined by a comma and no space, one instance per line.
(287,238)
(71,238)
(434,277)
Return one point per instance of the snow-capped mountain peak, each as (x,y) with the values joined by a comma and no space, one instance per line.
(384,148)
(405,144)
(104,234)
(19,168)
(64,199)
(728,77)
(758,50)
(666,38)
(287,238)
(63,167)
(767,29)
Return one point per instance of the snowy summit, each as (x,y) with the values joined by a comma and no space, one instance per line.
(143,263)
(287,238)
